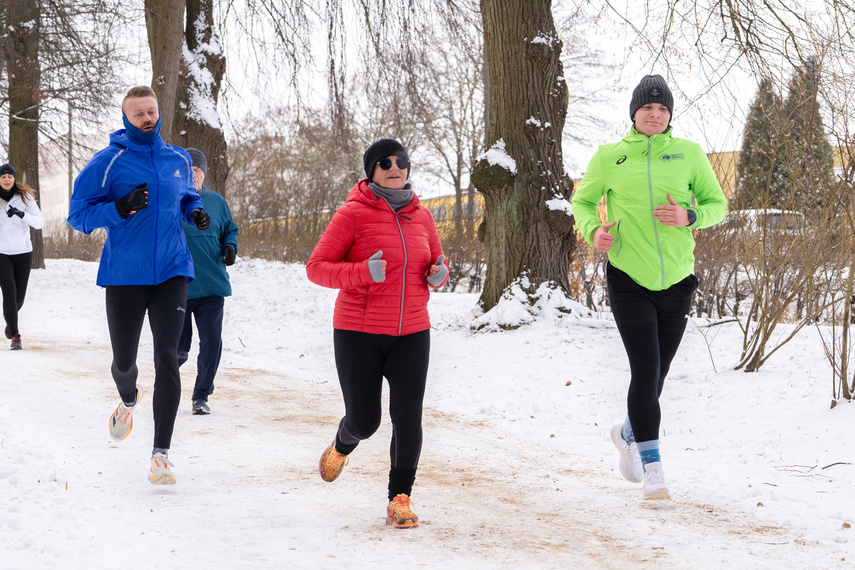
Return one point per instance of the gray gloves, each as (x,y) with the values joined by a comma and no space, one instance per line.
(375,266)
(437,278)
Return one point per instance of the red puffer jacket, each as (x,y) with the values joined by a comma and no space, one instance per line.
(364,225)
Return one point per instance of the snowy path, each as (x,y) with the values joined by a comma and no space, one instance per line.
(489,495)
(249,495)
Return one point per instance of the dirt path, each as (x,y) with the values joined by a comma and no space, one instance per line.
(249,492)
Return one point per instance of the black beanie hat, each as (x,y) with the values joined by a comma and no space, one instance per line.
(199,160)
(383,148)
(8,169)
(651,89)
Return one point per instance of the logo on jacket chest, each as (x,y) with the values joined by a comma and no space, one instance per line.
(667,157)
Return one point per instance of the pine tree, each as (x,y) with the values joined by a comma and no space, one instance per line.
(808,157)
(758,168)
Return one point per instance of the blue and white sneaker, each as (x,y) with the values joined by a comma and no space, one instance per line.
(630,460)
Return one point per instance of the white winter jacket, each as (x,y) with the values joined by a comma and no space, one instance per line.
(14,231)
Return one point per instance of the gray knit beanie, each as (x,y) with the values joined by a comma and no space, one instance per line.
(199,160)
(651,89)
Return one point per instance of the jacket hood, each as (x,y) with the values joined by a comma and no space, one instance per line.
(362,193)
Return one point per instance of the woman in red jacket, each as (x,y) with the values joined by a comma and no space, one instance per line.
(382,251)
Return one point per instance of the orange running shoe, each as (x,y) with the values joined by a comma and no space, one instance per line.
(400,513)
(331,463)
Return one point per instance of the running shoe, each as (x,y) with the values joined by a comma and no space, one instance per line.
(654,482)
(400,513)
(161,470)
(122,420)
(331,463)
(630,460)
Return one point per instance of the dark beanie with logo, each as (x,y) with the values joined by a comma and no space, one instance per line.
(381,149)
(199,160)
(651,89)
(8,169)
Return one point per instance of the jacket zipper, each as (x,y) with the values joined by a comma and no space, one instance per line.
(652,217)
(404,274)
(157,193)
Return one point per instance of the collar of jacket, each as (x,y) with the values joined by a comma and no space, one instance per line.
(362,193)
(135,139)
(634,136)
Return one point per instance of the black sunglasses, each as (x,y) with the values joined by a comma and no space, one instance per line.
(386,163)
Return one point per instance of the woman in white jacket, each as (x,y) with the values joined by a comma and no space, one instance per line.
(16,250)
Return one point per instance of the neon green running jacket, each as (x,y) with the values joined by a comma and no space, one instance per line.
(635,175)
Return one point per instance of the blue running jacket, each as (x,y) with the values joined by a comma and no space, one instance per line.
(149,247)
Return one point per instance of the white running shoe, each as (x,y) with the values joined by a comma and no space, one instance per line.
(630,461)
(654,482)
(122,420)
(161,470)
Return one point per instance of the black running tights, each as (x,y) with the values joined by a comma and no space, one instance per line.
(126,309)
(651,326)
(362,360)
(14,276)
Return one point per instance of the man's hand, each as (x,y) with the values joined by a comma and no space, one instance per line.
(136,200)
(229,255)
(603,240)
(200,218)
(671,214)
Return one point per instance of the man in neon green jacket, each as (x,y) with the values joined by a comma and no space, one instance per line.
(657,189)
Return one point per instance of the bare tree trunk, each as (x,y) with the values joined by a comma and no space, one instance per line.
(163,20)
(196,123)
(527,106)
(22,61)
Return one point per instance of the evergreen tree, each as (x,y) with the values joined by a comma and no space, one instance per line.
(807,155)
(758,168)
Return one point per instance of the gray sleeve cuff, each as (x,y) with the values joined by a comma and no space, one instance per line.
(376,269)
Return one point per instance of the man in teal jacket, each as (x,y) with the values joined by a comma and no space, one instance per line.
(657,189)
(212,251)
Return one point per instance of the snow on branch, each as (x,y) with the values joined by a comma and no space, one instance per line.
(497,156)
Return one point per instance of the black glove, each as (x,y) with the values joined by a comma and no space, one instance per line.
(201,219)
(136,200)
(13,211)
(229,255)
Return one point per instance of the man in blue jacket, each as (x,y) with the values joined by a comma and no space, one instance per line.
(212,251)
(139,189)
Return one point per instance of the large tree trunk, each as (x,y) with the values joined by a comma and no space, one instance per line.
(196,122)
(163,21)
(22,61)
(527,105)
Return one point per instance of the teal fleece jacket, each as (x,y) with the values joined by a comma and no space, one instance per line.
(635,175)
(206,247)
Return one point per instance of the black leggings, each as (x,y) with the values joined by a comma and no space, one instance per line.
(14,276)
(126,309)
(362,360)
(651,325)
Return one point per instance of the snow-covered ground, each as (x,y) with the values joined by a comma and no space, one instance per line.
(517,467)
